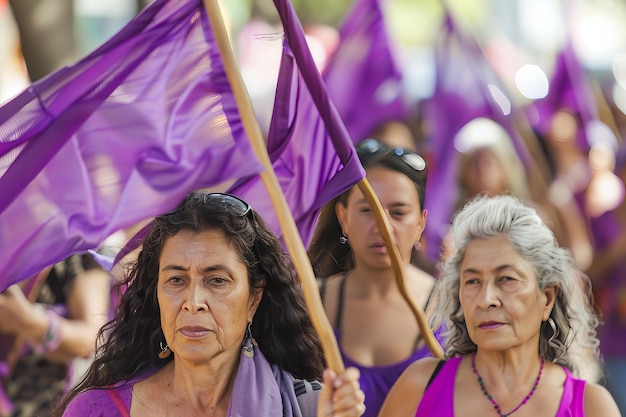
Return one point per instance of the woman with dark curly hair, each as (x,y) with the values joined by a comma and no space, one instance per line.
(518,311)
(212,322)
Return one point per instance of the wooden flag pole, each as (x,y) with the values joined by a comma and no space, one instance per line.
(384,228)
(381,219)
(287,223)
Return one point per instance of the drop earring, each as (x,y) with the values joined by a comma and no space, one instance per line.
(248,343)
(343,239)
(165,350)
(555,332)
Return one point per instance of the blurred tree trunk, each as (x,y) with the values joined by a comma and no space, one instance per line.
(46,33)
(142,3)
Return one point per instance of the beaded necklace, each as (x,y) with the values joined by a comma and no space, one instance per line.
(490,397)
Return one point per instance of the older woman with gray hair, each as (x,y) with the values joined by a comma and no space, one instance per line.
(518,312)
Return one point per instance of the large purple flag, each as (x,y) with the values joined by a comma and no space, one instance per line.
(294,35)
(363,76)
(570,89)
(303,156)
(118,137)
(466,88)
(308,144)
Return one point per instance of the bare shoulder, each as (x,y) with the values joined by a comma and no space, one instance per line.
(420,283)
(421,370)
(407,392)
(599,402)
(331,295)
(420,277)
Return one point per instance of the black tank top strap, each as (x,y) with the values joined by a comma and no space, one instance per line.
(436,371)
(429,297)
(419,337)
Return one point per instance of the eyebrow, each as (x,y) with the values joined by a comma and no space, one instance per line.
(394,204)
(211,268)
(497,269)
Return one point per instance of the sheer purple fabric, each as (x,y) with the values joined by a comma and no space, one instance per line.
(303,156)
(308,144)
(294,34)
(363,77)
(118,137)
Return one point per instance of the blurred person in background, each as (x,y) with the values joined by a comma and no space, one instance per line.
(395,134)
(570,175)
(608,275)
(49,323)
(492,167)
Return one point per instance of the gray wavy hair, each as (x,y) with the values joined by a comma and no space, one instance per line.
(573,314)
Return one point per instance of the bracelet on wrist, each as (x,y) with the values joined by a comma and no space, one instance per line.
(52,338)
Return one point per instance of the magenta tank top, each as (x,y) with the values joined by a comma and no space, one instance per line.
(438,399)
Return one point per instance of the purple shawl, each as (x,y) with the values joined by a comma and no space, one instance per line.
(261,389)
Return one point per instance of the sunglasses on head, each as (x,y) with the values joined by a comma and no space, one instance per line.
(372,147)
(219,201)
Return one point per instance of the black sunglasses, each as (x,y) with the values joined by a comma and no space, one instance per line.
(219,201)
(372,147)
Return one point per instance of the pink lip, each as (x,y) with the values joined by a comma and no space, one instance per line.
(490,325)
(194,331)
(379,247)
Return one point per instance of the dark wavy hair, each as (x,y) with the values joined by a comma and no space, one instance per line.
(327,255)
(129,344)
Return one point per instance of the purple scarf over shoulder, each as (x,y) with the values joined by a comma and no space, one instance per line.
(261,390)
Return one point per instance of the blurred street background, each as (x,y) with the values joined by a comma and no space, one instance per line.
(519,37)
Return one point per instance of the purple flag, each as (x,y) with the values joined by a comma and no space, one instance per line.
(303,156)
(363,76)
(294,34)
(466,88)
(119,137)
(570,89)
(308,144)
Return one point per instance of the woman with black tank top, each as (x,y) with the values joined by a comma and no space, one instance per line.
(375,327)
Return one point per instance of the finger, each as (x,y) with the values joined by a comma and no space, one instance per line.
(329,377)
(348,397)
(355,410)
(349,375)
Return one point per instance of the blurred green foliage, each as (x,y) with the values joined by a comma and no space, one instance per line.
(411,22)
